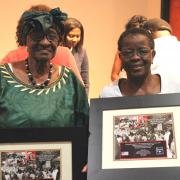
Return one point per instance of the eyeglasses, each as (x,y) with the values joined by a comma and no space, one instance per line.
(52,36)
(142,52)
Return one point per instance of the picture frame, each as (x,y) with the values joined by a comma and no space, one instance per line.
(46,149)
(101,162)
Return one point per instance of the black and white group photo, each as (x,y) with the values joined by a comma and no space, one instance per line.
(23,165)
(144,136)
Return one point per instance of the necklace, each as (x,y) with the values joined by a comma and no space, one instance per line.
(31,78)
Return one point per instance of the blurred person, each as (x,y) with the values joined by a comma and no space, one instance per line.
(73,38)
(135,21)
(167,47)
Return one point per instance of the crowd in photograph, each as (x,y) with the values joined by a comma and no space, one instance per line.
(132,129)
(16,166)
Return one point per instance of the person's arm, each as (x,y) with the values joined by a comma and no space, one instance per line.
(85,71)
(116,68)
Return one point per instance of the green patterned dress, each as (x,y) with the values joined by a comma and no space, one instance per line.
(61,104)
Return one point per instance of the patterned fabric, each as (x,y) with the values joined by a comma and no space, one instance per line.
(61,104)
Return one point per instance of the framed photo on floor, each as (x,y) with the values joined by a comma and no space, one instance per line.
(43,153)
(135,138)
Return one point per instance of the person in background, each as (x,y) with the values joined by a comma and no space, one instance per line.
(135,21)
(73,38)
(136,50)
(167,47)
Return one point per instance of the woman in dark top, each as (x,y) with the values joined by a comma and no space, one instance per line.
(74,38)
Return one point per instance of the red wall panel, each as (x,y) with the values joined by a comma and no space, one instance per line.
(174,18)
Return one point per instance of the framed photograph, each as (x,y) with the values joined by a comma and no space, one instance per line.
(135,138)
(43,153)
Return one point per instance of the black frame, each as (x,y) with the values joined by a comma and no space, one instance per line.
(165,11)
(95,172)
(77,136)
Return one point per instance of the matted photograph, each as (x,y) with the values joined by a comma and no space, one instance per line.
(139,138)
(135,138)
(144,136)
(43,161)
(43,153)
(34,164)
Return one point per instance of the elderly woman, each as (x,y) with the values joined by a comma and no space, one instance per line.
(35,92)
(136,50)
(63,56)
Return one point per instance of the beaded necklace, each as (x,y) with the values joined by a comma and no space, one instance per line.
(32,80)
